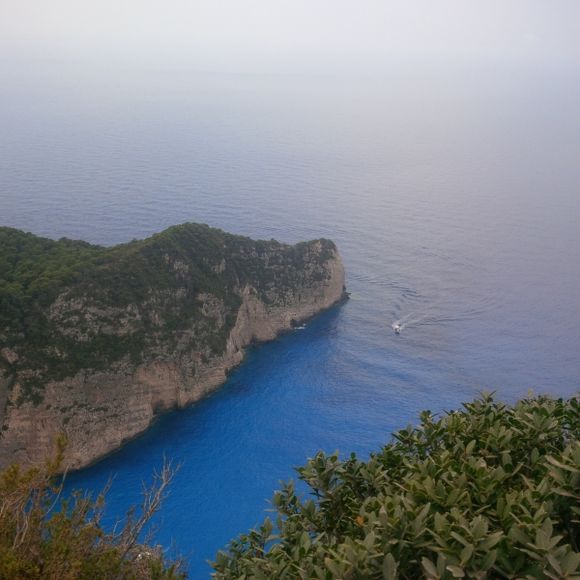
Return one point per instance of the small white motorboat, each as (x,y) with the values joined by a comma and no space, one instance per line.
(397,328)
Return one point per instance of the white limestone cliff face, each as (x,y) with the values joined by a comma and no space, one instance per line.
(100,410)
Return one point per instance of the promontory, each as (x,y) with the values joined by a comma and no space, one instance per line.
(96,341)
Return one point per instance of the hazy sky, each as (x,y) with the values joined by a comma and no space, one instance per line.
(292,35)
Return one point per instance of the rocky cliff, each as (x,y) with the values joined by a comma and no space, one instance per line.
(95,342)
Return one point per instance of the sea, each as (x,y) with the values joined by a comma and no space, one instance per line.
(453,195)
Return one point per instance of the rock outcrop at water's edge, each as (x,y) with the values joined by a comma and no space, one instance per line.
(129,332)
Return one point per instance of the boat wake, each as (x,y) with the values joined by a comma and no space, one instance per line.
(409,320)
(438,309)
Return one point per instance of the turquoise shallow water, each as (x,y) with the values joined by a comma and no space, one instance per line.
(454,200)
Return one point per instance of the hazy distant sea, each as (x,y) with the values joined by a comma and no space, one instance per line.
(454,198)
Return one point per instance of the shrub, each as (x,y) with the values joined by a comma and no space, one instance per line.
(42,537)
(490,491)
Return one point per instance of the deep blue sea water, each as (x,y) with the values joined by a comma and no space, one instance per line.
(454,198)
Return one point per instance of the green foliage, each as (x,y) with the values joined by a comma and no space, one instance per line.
(32,267)
(42,538)
(491,491)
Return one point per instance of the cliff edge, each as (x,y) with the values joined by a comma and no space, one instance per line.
(95,342)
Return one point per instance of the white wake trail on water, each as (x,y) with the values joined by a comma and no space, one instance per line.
(428,318)
(411,319)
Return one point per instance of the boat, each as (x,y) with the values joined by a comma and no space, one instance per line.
(397,328)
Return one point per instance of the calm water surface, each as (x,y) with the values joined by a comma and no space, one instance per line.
(455,202)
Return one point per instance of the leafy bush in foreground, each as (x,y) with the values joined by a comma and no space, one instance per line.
(43,538)
(491,491)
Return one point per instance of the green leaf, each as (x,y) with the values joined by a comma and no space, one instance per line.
(570,563)
(369,541)
(460,538)
(489,560)
(456,571)
(490,541)
(466,554)
(429,568)
(389,568)
(561,465)
(470,447)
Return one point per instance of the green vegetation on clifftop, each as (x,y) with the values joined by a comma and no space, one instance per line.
(68,305)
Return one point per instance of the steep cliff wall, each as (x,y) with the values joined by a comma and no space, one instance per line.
(145,328)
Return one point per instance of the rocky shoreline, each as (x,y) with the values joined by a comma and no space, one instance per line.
(100,410)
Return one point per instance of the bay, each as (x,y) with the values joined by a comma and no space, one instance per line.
(454,198)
